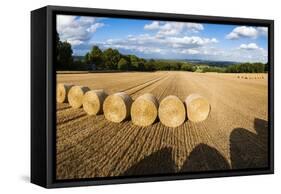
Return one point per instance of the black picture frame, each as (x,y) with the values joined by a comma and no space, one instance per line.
(43,103)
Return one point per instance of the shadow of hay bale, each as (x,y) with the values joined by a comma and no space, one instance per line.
(247,149)
(159,162)
(204,158)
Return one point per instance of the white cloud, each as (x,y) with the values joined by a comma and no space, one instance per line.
(155,25)
(135,48)
(64,21)
(75,42)
(190,41)
(164,40)
(263,30)
(145,43)
(250,46)
(246,31)
(94,27)
(249,52)
(243,31)
(173,28)
(186,47)
(190,51)
(194,26)
(77,30)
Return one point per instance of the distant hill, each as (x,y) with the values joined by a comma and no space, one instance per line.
(211,63)
(200,61)
(191,61)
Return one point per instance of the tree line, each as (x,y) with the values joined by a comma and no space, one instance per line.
(239,68)
(111,59)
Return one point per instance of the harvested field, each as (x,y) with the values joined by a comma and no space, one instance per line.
(234,136)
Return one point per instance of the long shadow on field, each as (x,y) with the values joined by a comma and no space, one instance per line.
(204,158)
(247,149)
(158,162)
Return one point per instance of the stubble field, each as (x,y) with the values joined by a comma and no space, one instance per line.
(234,136)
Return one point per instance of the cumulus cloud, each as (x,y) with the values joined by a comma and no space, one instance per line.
(94,27)
(250,46)
(173,28)
(64,21)
(163,40)
(246,32)
(242,31)
(77,30)
(244,54)
(155,25)
(190,51)
(263,30)
(249,52)
(145,43)
(189,41)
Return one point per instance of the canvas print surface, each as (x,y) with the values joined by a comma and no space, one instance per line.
(140,97)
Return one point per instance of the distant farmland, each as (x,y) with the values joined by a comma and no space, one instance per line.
(233,137)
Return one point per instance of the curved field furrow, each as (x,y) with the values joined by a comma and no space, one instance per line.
(140,86)
(69,115)
(233,136)
(143,148)
(111,154)
(68,141)
(99,134)
(112,83)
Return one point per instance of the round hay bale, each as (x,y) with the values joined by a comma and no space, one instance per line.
(62,92)
(93,101)
(75,96)
(197,108)
(116,107)
(144,110)
(171,111)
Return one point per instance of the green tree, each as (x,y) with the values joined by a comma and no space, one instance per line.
(64,55)
(141,66)
(266,67)
(246,68)
(160,65)
(96,57)
(188,67)
(123,64)
(213,69)
(87,58)
(150,65)
(176,66)
(111,58)
(134,62)
(58,44)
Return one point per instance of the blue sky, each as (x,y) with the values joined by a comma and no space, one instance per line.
(165,40)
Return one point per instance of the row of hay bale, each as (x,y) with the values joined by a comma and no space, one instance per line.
(143,111)
(250,76)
